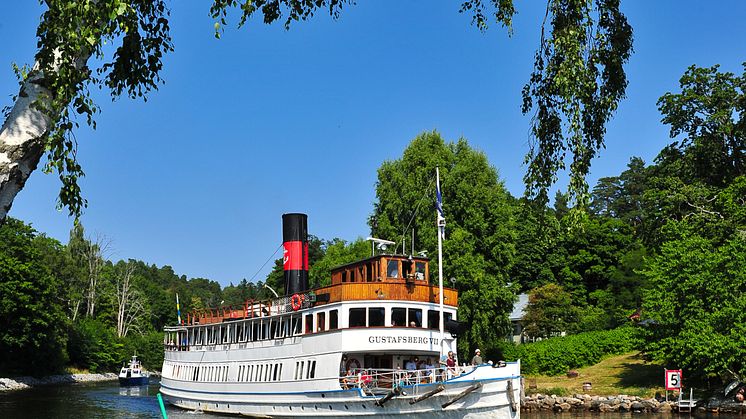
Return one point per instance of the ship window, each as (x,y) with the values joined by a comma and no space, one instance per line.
(352,275)
(265,329)
(398,316)
(309,323)
(419,268)
(376,316)
(433,318)
(311,369)
(357,317)
(344,276)
(392,271)
(333,320)
(277,370)
(272,328)
(321,322)
(297,325)
(254,331)
(415,316)
(406,269)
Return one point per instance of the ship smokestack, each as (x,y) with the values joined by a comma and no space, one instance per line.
(295,258)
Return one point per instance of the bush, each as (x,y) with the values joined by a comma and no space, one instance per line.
(555,356)
(94,346)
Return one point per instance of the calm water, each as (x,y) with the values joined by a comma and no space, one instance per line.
(107,400)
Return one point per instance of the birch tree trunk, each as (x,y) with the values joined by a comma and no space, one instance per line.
(96,251)
(22,142)
(130,306)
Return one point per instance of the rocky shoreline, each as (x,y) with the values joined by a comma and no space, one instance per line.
(21,383)
(621,403)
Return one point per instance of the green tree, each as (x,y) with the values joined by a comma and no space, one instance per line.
(550,312)
(578,78)
(478,249)
(697,303)
(710,113)
(94,345)
(32,322)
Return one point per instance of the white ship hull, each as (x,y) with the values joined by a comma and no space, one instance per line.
(373,343)
(492,399)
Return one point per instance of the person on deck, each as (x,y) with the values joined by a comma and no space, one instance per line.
(477,359)
(449,365)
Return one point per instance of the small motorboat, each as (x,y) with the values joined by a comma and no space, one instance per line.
(133,374)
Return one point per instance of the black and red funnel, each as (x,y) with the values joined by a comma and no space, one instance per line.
(295,258)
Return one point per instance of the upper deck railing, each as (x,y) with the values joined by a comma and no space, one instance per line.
(355,291)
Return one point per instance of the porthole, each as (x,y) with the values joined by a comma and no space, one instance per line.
(323,395)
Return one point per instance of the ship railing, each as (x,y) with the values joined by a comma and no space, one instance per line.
(375,379)
(386,379)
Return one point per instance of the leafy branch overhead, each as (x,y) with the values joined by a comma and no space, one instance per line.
(70,33)
(577,83)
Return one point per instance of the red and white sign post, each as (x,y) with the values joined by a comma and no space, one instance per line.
(673,380)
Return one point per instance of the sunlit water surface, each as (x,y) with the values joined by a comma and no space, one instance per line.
(108,400)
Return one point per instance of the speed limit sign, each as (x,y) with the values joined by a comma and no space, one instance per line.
(673,379)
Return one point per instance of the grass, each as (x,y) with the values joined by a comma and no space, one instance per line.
(623,374)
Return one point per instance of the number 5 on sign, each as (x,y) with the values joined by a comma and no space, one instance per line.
(673,379)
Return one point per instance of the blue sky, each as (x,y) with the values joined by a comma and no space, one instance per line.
(266,121)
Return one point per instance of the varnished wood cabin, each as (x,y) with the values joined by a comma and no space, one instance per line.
(381,277)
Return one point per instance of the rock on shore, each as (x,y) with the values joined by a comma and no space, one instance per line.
(622,403)
(20,383)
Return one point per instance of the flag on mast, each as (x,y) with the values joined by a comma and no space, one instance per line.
(178,309)
(439,203)
(439,207)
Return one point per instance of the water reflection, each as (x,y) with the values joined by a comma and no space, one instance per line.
(108,400)
(135,391)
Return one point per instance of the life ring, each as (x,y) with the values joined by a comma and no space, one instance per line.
(296,301)
(352,361)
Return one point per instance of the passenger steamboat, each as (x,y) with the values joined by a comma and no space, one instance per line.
(373,343)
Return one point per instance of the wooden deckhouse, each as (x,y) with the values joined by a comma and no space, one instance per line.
(381,277)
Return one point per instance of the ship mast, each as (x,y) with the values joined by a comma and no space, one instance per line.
(441,223)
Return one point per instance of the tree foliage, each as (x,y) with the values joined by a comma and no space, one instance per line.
(32,324)
(696,301)
(478,249)
(550,312)
(575,88)
(577,82)
(710,114)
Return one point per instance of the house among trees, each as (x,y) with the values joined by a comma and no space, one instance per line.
(516,319)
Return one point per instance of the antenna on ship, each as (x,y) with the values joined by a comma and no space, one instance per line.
(379,243)
(441,223)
